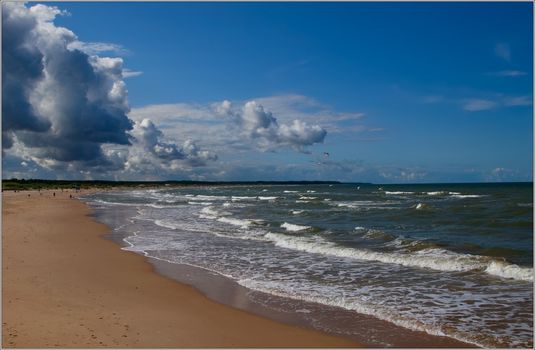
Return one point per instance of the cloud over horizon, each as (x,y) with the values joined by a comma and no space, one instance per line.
(66,109)
(64,105)
(61,104)
(68,112)
(257,123)
(150,149)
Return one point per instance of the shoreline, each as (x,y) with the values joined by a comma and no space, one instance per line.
(66,286)
(366,330)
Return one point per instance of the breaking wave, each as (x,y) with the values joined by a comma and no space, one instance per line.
(430,258)
(293,227)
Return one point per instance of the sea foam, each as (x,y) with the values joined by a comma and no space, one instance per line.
(430,258)
(236,222)
(293,227)
(363,307)
(272,198)
(398,192)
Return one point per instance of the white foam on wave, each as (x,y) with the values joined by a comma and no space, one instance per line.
(307,198)
(503,269)
(530,205)
(209,213)
(311,191)
(157,206)
(377,234)
(208,198)
(225,217)
(166,224)
(173,200)
(430,193)
(243,198)
(297,212)
(422,206)
(200,203)
(301,201)
(442,193)
(294,227)
(272,198)
(286,191)
(101,201)
(467,195)
(362,307)
(355,204)
(430,258)
(236,222)
(438,193)
(365,205)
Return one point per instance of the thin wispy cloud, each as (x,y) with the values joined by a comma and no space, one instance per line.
(478,104)
(96,48)
(508,73)
(430,99)
(474,105)
(503,51)
(127,73)
(518,101)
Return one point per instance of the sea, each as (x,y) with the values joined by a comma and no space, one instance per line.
(449,260)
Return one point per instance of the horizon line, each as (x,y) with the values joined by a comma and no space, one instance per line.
(261,182)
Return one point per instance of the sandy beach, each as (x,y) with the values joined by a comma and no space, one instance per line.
(64,286)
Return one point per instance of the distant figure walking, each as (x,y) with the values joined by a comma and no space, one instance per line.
(28,195)
(54,193)
(70,196)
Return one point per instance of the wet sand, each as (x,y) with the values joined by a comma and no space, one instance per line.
(64,286)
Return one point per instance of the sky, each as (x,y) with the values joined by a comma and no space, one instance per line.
(354,92)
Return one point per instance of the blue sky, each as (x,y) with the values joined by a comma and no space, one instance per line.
(406,92)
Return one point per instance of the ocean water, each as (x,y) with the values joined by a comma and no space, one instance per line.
(449,260)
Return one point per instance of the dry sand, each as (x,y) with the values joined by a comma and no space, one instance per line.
(65,286)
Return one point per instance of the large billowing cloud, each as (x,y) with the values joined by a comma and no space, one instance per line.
(150,149)
(63,107)
(22,69)
(61,104)
(65,111)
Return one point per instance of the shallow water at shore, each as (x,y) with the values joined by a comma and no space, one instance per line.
(453,260)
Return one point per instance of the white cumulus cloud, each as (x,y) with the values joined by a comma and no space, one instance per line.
(259,124)
(65,107)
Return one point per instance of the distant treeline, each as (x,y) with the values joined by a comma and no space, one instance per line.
(35,184)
